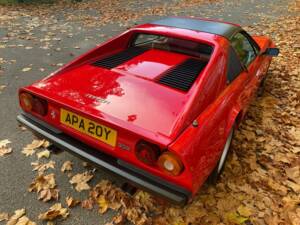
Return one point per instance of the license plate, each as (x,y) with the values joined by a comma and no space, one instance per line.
(88,127)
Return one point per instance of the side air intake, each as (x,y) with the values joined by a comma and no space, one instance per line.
(183,76)
(119,58)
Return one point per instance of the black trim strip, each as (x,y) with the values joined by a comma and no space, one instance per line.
(119,58)
(182,76)
(130,173)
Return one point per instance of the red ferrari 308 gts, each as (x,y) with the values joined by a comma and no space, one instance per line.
(157,105)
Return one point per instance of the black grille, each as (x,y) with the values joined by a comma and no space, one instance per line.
(183,76)
(119,58)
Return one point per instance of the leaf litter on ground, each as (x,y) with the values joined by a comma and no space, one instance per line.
(4,150)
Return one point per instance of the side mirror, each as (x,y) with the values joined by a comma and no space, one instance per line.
(271,52)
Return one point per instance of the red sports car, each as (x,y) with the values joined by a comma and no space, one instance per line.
(157,105)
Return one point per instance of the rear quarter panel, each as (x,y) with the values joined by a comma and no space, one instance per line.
(201,146)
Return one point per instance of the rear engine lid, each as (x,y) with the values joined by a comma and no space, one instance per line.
(124,100)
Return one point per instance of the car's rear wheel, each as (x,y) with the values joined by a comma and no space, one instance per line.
(261,88)
(220,166)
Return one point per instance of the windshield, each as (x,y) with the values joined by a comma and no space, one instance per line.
(171,44)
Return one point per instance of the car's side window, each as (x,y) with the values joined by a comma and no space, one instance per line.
(234,66)
(243,48)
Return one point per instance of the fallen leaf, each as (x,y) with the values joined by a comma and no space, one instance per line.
(48,194)
(3,216)
(14,219)
(87,204)
(71,202)
(26,69)
(235,218)
(293,173)
(50,223)
(244,211)
(4,150)
(31,148)
(67,166)
(103,204)
(80,180)
(42,167)
(4,143)
(54,212)
(42,182)
(45,154)
(2,87)
(24,220)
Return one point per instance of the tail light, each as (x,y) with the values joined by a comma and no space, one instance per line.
(26,101)
(32,103)
(147,153)
(170,163)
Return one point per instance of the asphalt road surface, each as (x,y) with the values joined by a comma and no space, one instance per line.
(68,40)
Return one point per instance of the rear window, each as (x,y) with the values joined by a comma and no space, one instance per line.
(171,44)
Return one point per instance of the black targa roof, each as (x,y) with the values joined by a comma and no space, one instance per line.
(223,29)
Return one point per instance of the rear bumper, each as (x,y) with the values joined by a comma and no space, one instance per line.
(126,171)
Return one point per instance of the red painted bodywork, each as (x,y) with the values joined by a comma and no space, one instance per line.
(141,109)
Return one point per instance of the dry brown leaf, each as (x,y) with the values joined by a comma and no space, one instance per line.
(48,194)
(3,216)
(31,148)
(67,166)
(80,180)
(26,69)
(5,151)
(3,147)
(4,143)
(295,187)
(45,154)
(293,173)
(2,87)
(42,182)
(14,219)
(24,220)
(42,167)
(71,202)
(87,204)
(54,212)
(50,223)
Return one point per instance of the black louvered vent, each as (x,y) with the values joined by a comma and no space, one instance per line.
(183,76)
(119,58)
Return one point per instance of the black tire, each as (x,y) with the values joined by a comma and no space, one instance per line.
(214,176)
(261,88)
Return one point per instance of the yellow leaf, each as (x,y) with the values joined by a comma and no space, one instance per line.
(235,218)
(244,211)
(26,69)
(103,204)
(45,154)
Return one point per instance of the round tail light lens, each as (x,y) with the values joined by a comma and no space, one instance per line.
(170,163)
(26,101)
(147,153)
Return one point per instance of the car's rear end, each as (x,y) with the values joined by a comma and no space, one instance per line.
(122,111)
